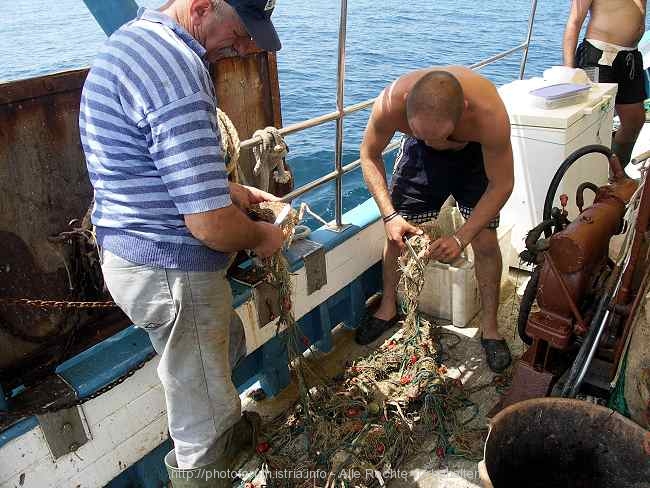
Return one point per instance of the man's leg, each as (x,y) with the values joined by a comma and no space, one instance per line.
(488,261)
(632,117)
(487,256)
(390,276)
(187,316)
(629,74)
(385,317)
(203,404)
(488,275)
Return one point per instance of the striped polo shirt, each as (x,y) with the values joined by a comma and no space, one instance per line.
(149,132)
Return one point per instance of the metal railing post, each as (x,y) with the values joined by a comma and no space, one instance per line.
(524,57)
(340,107)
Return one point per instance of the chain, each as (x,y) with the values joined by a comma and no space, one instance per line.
(54,407)
(54,304)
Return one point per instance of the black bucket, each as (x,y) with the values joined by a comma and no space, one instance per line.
(565,443)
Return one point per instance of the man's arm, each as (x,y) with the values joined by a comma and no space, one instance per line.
(378,134)
(577,15)
(228,229)
(375,139)
(499,169)
(244,196)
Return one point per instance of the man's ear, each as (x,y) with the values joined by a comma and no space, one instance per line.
(199,9)
(465,104)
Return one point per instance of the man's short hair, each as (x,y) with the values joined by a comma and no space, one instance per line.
(438,94)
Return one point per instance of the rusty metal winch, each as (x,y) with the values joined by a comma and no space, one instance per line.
(582,296)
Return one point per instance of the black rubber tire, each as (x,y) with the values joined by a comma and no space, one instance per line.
(527,300)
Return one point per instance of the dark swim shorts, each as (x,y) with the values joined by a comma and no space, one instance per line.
(424,178)
(626,70)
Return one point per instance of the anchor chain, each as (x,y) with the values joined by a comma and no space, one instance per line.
(55,304)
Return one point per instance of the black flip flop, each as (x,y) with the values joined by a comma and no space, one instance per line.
(372,327)
(497,354)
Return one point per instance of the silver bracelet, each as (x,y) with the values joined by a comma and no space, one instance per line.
(458,241)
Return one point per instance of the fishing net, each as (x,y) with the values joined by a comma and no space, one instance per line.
(357,428)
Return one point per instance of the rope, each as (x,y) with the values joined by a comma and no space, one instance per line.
(269,156)
(230,144)
(304,208)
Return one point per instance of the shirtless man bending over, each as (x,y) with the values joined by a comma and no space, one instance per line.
(609,50)
(457,141)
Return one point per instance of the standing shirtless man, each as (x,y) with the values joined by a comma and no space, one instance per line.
(609,51)
(457,142)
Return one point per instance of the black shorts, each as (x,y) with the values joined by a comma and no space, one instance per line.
(626,70)
(424,178)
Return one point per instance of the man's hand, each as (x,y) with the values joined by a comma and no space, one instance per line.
(397,228)
(272,240)
(445,250)
(245,196)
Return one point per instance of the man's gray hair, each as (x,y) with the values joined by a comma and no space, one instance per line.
(218,6)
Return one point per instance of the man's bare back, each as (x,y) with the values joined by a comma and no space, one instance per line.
(485,120)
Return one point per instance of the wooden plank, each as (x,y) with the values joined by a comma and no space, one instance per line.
(70,473)
(108,436)
(274,84)
(248,92)
(21,453)
(124,455)
(17,91)
(100,408)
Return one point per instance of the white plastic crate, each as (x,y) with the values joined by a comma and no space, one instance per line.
(451,292)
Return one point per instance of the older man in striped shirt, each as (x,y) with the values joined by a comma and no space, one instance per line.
(166,217)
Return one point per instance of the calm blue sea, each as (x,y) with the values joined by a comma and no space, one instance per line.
(386,38)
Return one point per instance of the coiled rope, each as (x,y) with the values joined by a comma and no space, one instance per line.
(269,154)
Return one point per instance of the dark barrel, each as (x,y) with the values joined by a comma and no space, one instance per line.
(566,443)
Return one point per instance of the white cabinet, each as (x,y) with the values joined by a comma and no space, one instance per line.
(541,140)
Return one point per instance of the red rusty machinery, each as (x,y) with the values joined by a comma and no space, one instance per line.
(583,298)
(572,264)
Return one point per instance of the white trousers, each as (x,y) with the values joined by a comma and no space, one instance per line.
(188,317)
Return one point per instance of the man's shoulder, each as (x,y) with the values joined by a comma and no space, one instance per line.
(150,66)
(494,125)
(149,42)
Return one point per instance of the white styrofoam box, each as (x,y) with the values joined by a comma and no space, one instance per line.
(541,141)
(451,292)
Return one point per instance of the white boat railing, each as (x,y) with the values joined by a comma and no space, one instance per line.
(341,111)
